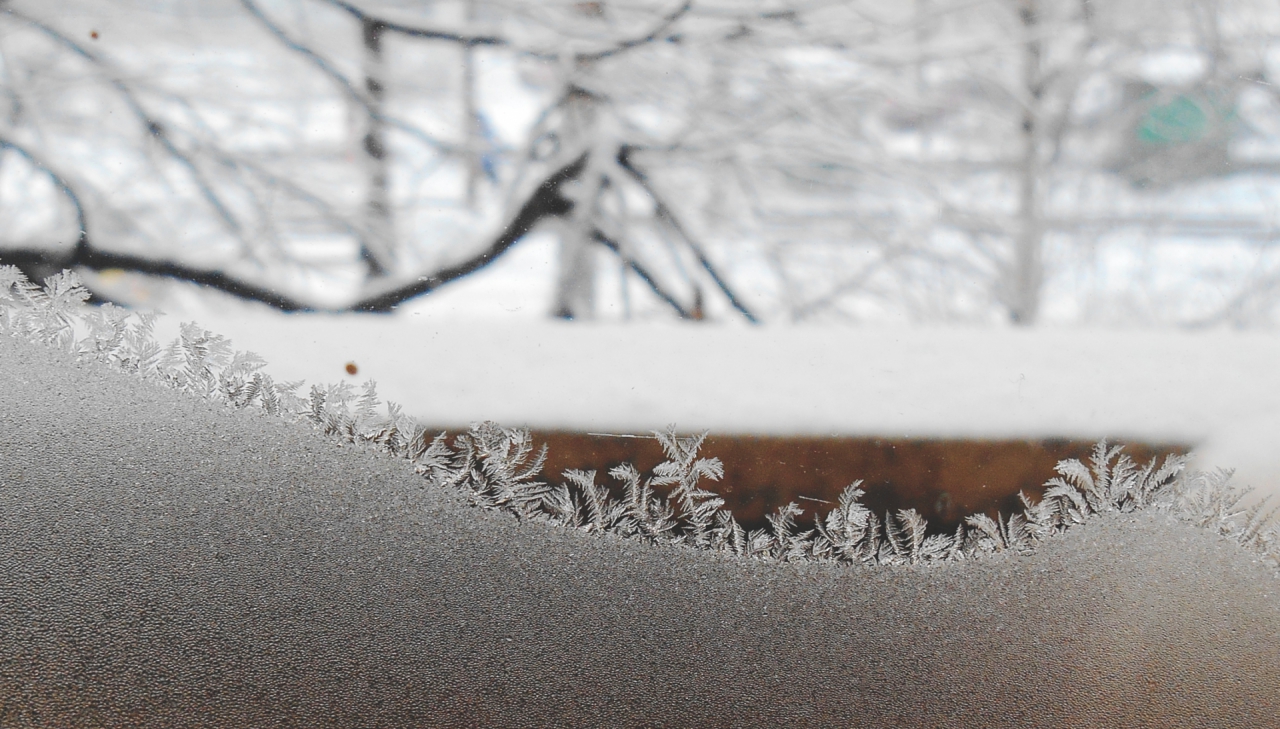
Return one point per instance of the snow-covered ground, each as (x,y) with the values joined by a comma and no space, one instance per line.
(483,349)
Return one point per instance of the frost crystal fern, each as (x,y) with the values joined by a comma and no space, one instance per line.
(498,467)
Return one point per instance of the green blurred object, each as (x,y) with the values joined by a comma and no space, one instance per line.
(1183,120)
(1176,138)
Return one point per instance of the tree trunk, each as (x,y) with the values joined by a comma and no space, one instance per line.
(472,132)
(379,237)
(1024,294)
(575,285)
(471,124)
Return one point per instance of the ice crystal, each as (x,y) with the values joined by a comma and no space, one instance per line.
(498,467)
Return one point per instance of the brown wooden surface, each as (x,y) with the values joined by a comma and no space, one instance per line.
(944,480)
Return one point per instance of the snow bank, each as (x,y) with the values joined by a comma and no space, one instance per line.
(1218,391)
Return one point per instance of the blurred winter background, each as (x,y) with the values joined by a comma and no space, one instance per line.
(960,201)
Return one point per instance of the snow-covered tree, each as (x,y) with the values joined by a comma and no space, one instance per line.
(759,159)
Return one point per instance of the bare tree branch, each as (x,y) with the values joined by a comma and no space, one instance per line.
(416,31)
(546,201)
(344,84)
(871,157)
(83,254)
(656,33)
(58,180)
(668,215)
(644,274)
(150,123)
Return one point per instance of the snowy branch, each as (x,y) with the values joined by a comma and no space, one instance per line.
(150,123)
(546,201)
(667,214)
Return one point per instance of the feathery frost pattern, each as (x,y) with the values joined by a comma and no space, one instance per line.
(498,467)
